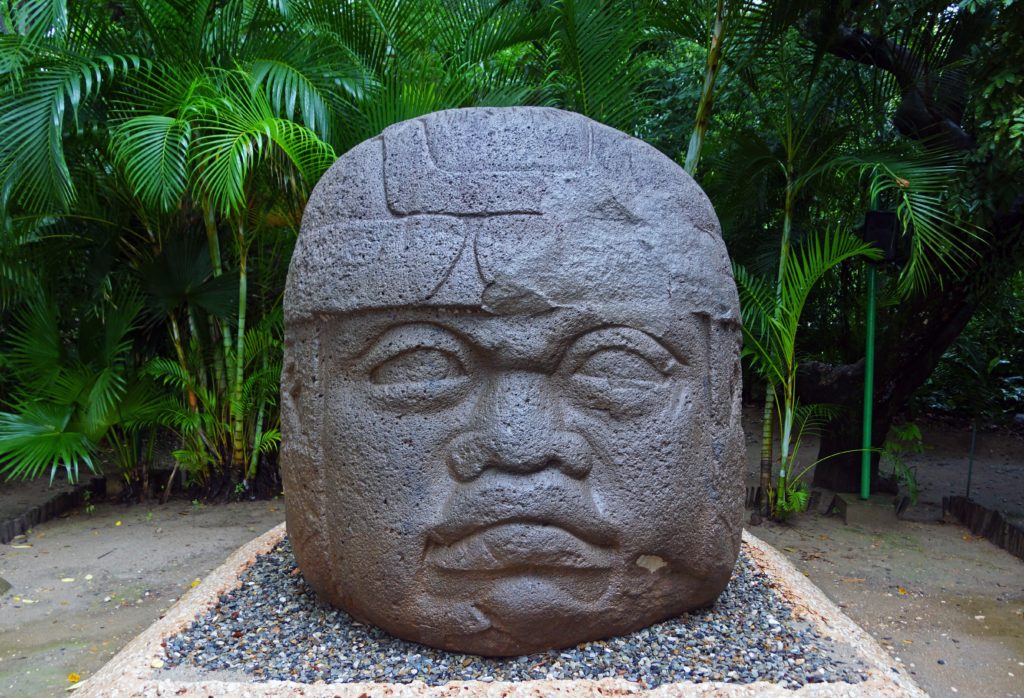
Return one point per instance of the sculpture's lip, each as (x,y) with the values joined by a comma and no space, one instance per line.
(595,532)
(517,544)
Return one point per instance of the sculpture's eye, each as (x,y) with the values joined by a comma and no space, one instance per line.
(620,371)
(621,366)
(417,365)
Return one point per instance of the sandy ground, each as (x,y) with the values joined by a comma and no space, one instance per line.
(96,580)
(946,604)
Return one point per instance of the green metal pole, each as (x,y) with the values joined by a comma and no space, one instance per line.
(970,463)
(869,388)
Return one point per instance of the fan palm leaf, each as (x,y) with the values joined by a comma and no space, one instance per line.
(43,436)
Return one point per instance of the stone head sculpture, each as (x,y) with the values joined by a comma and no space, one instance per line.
(511,393)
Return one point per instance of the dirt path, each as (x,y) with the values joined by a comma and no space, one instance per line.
(125,566)
(948,605)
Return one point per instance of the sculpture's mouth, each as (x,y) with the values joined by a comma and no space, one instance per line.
(519,544)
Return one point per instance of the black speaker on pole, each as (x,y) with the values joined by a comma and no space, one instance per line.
(882,229)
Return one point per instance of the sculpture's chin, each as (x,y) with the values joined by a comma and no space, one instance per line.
(527,612)
(524,613)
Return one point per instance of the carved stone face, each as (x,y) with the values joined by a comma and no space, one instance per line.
(517,431)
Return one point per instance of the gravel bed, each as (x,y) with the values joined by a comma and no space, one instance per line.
(273,627)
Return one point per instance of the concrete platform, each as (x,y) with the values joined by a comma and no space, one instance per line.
(855,511)
(137,669)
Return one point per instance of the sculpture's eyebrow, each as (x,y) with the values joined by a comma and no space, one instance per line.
(404,336)
(625,338)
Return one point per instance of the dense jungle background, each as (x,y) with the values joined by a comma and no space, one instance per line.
(156,155)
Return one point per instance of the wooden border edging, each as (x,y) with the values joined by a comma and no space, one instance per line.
(52,508)
(986,523)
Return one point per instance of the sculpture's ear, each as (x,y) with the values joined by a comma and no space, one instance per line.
(725,379)
(302,391)
(302,451)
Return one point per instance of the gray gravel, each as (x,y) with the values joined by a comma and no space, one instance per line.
(273,627)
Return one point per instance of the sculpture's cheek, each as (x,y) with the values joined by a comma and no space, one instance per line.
(388,481)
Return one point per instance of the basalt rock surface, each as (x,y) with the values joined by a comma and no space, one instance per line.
(510,406)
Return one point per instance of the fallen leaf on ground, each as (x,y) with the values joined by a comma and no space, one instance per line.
(852,580)
(195,583)
(902,591)
(74,678)
(117,523)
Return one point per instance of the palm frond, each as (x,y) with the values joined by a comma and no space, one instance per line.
(170,373)
(106,392)
(594,48)
(237,132)
(39,437)
(35,345)
(919,187)
(268,442)
(140,406)
(152,151)
(812,419)
(811,261)
(33,115)
(182,274)
(36,20)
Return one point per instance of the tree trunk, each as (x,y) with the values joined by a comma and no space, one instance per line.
(913,337)
(707,95)
(767,431)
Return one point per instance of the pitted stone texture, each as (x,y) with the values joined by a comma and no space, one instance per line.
(510,406)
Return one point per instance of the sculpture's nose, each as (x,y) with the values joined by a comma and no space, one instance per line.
(518,431)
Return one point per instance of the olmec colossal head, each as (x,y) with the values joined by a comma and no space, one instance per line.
(511,392)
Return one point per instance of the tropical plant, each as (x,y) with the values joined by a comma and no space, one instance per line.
(771,315)
(219,117)
(73,397)
(903,439)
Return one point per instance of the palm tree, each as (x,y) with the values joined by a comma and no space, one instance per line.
(771,316)
(796,142)
(219,117)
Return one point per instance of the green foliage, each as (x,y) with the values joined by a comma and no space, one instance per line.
(771,315)
(788,499)
(175,143)
(919,186)
(591,67)
(131,126)
(903,439)
(980,377)
(71,397)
